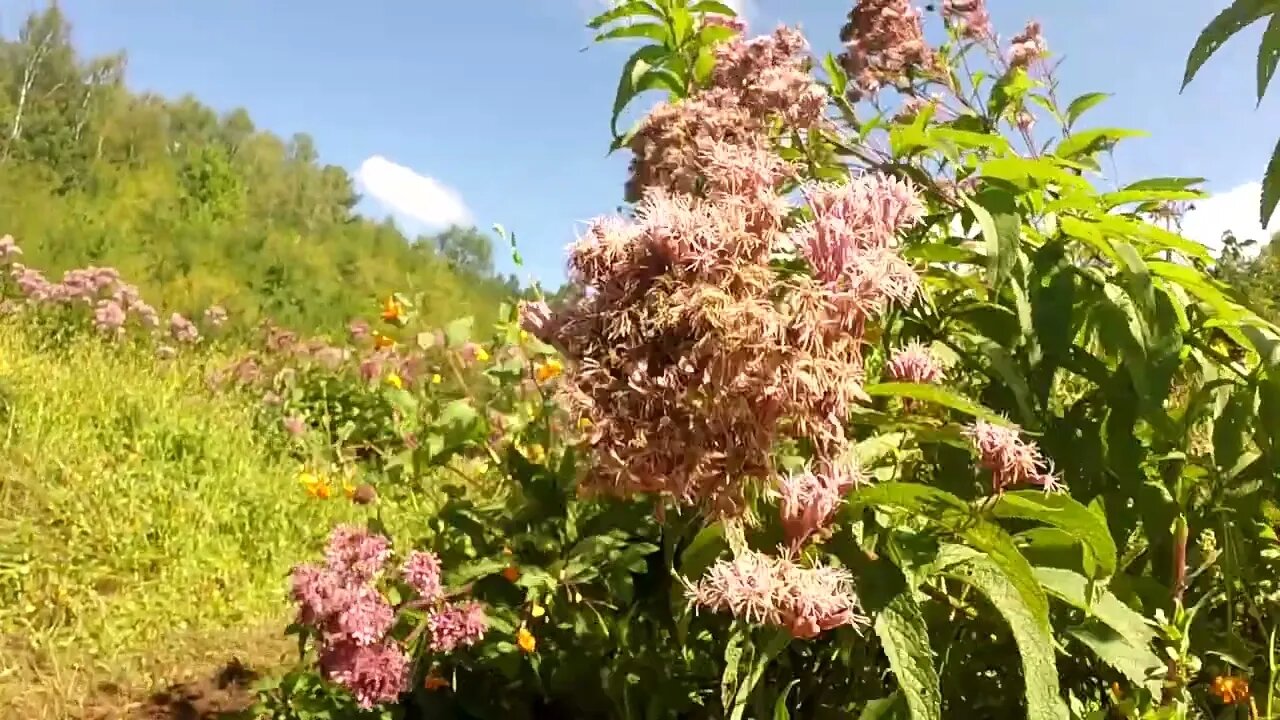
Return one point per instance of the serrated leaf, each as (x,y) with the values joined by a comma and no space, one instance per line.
(713,7)
(1240,15)
(1163,183)
(934,394)
(627,9)
(1073,589)
(1083,104)
(458,332)
(635,68)
(1137,663)
(904,635)
(1063,512)
(1268,54)
(656,32)
(1270,188)
(997,215)
(1029,624)
(1088,142)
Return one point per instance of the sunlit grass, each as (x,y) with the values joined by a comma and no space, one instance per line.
(141,516)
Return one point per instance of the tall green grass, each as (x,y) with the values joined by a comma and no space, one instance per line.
(143,519)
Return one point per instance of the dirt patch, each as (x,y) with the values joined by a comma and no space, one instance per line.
(223,694)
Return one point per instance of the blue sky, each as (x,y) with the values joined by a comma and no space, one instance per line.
(486,110)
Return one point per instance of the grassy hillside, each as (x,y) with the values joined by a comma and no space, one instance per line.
(201,208)
(145,520)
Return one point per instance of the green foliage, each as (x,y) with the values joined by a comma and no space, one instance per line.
(1238,16)
(200,209)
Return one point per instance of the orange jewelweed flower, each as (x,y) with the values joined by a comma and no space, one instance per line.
(381,341)
(1230,690)
(525,640)
(511,573)
(392,311)
(435,682)
(315,487)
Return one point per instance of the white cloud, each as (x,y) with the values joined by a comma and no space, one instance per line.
(411,197)
(1235,210)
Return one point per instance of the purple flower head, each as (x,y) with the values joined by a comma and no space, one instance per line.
(109,317)
(421,571)
(969,18)
(294,425)
(359,330)
(356,553)
(366,616)
(457,625)
(374,674)
(1027,46)
(182,329)
(535,319)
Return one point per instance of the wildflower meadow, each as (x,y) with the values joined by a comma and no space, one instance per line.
(871,402)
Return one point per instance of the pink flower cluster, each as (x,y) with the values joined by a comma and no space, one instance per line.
(1027,46)
(341,601)
(682,334)
(884,45)
(754,82)
(759,588)
(916,363)
(112,301)
(809,500)
(1010,460)
(969,18)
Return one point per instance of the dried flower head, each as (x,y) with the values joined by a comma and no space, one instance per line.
(808,500)
(968,18)
(1027,46)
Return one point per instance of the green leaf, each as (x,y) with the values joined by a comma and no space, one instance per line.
(1073,589)
(635,8)
(1271,188)
(1006,370)
(1240,15)
(636,66)
(458,332)
(1061,511)
(934,394)
(1137,663)
(1089,142)
(712,7)
(1028,622)
(1268,54)
(780,706)
(1163,183)
(1082,104)
(997,215)
(893,707)
(777,641)
(905,637)
(654,31)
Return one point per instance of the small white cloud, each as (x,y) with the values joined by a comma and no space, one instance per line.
(1235,210)
(410,196)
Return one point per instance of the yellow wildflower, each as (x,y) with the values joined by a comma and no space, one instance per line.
(348,489)
(524,336)
(482,355)
(315,486)
(381,341)
(525,640)
(436,379)
(536,453)
(584,423)
(537,610)
(395,381)
(548,370)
